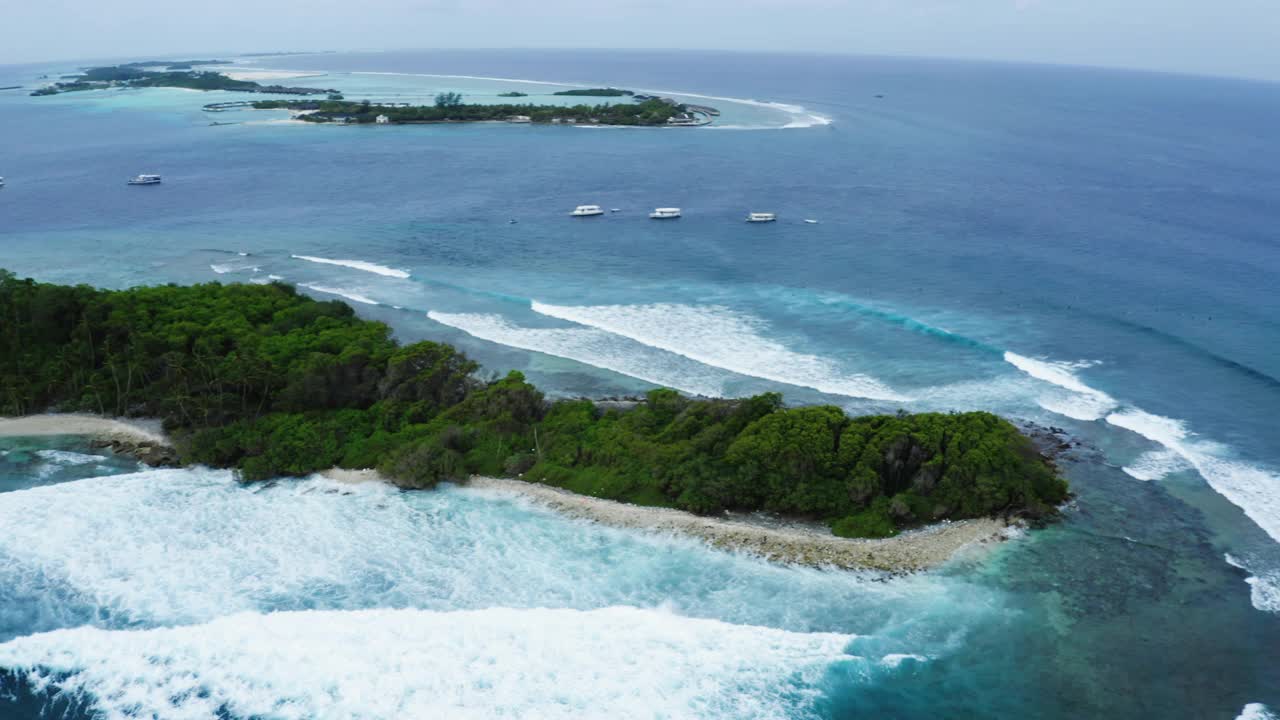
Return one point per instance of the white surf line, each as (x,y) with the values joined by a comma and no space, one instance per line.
(348,294)
(723,338)
(795,110)
(1250,488)
(357,265)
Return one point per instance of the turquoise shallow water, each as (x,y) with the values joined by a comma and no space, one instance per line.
(1083,248)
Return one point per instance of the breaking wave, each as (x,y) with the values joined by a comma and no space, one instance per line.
(618,662)
(357,265)
(722,338)
(1250,488)
(348,294)
(1264,588)
(596,348)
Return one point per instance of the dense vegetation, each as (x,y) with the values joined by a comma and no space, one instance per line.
(513,93)
(596,92)
(450,108)
(270,382)
(136,75)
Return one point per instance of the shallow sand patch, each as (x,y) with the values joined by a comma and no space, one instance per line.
(113,429)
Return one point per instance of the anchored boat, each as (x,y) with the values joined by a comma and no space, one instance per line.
(665,213)
(587,211)
(758,217)
(145,180)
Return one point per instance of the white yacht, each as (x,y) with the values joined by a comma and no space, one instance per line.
(761,217)
(665,213)
(810,222)
(587,211)
(145,180)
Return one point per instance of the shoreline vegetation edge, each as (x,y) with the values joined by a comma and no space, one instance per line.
(775,540)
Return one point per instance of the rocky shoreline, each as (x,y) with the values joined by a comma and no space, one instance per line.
(142,439)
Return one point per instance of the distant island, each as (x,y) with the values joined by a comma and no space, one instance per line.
(273,383)
(596,92)
(450,108)
(177,74)
(513,93)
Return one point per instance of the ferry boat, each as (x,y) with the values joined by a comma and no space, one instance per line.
(665,213)
(756,217)
(587,211)
(145,180)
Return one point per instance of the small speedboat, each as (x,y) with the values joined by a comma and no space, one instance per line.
(665,214)
(616,210)
(587,211)
(145,180)
(810,222)
(759,217)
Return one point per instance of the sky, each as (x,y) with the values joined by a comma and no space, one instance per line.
(1219,37)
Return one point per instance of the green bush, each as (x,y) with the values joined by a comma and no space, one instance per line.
(270,382)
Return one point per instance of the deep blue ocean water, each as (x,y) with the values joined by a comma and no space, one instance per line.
(1090,249)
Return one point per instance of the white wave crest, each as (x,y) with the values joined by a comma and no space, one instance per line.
(348,294)
(1256,711)
(357,265)
(722,338)
(1086,404)
(1156,465)
(1264,588)
(596,348)
(1252,489)
(617,662)
(66,457)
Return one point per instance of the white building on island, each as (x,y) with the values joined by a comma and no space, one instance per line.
(382,120)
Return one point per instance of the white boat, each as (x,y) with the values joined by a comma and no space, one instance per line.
(145,180)
(810,222)
(665,213)
(761,217)
(587,211)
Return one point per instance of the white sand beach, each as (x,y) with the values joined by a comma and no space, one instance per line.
(115,429)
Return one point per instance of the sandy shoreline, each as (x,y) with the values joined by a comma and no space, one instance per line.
(779,541)
(113,429)
(772,539)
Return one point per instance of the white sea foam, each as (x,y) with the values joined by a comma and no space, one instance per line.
(1156,465)
(720,337)
(187,546)
(1256,711)
(617,662)
(894,660)
(1086,403)
(1254,490)
(348,294)
(596,348)
(66,457)
(357,265)
(1264,588)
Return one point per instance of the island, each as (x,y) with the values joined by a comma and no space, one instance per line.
(450,108)
(596,92)
(272,383)
(175,75)
(513,94)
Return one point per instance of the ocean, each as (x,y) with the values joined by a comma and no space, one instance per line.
(1089,249)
